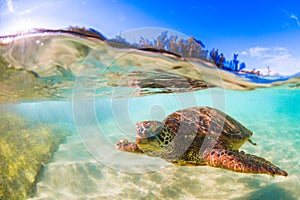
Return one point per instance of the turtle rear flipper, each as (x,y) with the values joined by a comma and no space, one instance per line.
(241,162)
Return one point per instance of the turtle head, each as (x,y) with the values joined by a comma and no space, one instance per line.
(152,135)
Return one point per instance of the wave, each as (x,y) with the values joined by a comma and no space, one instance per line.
(83,64)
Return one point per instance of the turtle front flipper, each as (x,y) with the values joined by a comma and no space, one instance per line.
(241,162)
(124,145)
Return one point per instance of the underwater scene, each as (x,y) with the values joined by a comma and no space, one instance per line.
(135,111)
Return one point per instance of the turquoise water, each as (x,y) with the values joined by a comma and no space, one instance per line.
(99,100)
(79,170)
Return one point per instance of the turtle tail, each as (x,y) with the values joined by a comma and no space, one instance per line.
(238,161)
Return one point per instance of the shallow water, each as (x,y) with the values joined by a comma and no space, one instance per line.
(95,170)
(87,166)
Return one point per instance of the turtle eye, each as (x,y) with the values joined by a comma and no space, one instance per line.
(141,129)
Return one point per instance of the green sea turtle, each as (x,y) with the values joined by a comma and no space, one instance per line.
(199,136)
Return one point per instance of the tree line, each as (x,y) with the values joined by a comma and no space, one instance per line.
(189,47)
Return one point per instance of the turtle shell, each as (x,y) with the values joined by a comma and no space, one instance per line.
(199,128)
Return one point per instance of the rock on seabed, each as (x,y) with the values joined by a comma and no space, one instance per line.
(24,149)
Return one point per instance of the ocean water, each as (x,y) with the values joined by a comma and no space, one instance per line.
(100,105)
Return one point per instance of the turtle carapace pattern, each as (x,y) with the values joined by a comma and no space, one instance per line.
(199,136)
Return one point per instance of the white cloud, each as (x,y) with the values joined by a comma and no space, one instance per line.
(257,51)
(295,18)
(21,8)
(10,6)
(264,52)
(291,16)
(278,58)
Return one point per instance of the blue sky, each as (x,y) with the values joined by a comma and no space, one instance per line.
(263,32)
